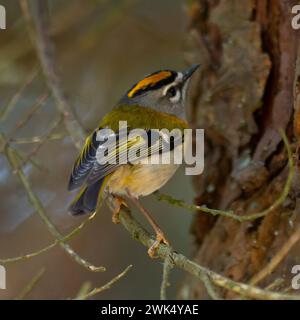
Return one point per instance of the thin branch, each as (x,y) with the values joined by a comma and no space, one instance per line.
(34,109)
(37,105)
(168,266)
(182,262)
(230,213)
(279,256)
(275,284)
(35,150)
(33,282)
(28,255)
(209,287)
(50,246)
(44,48)
(287,289)
(36,203)
(38,139)
(8,108)
(22,156)
(84,290)
(105,287)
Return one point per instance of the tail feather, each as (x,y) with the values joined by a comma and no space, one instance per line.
(86,200)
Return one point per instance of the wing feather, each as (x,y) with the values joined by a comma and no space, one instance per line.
(88,170)
(84,162)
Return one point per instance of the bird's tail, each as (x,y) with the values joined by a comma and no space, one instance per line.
(87,199)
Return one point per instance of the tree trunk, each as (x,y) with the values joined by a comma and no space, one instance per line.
(247,90)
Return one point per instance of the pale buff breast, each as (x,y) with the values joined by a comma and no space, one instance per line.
(140,179)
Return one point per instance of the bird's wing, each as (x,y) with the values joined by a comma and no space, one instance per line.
(131,149)
(89,166)
(116,155)
(84,162)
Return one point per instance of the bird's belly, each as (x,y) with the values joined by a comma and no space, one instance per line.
(140,179)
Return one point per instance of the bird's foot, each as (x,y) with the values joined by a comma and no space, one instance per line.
(160,238)
(116,205)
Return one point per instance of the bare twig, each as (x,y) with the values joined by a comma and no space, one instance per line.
(275,284)
(209,287)
(31,285)
(5,112)
(279,256)
(50,246)
(28,255)
(287,289)
(44,48)
(38,139)
(84,290)
(105,287)
(37,105)
(35,150)
(19,125)
(36,203)
(22,156)
(168,266)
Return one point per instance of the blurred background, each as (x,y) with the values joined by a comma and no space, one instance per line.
(102,48)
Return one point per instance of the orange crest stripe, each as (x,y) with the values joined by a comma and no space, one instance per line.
(151,80)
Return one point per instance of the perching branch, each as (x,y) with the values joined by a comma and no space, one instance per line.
(182,262)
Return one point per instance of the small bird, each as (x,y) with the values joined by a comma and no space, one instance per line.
(158,101)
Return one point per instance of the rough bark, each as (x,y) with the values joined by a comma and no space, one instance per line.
(247,90)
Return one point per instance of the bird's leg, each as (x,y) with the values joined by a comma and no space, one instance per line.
(115,203)
(160,237)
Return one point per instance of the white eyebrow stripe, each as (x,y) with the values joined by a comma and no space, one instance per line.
(174,83)
(178,93)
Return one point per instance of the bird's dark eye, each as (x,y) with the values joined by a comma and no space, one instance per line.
(171,92)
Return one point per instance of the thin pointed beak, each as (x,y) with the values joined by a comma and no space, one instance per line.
(189,72)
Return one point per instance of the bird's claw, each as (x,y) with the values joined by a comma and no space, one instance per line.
(160,238)
(116,208)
